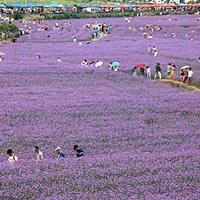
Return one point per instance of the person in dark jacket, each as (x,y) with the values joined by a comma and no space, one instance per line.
(79,151)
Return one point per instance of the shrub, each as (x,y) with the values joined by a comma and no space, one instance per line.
(86,15)
(18,16)
(8,28)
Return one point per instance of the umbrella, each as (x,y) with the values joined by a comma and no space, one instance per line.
(185,67)
(115,64)
(2,6)
(140,65)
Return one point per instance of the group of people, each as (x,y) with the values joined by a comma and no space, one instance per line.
(186,73)
(87,63)
(152,50)
(98,29)
(12,157)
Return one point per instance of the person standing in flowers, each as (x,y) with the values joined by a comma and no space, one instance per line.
(38,55)
(79,151)
(39,154)
(185,75)
(59,152)
(148,72)
(74,38)
(134,71)
(190,75)
(114,65)
(158,74)
(173,72)
(169,66)
(12,157)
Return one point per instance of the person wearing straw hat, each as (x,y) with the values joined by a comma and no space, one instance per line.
(59,152)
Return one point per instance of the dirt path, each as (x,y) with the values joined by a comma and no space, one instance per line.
(180,84)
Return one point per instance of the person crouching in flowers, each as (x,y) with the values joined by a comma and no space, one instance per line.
(59,59)
(59,152)
(12,157)
(39,154)
(79,151)
(38,55)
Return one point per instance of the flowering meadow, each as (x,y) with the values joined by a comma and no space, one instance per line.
(141,138)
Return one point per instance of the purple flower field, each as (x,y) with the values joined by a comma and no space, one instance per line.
(141,138)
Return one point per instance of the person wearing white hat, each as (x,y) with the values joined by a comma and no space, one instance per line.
(59,152)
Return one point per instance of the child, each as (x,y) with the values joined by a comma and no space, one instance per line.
(59,152)
(39,154)
(12,157)
(79,151)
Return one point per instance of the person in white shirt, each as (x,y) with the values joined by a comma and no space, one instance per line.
(74,38)
(98,64)
(59,59)
(155,53)
(12,157)
(190,75)
(84,63)
(39,154)
(148,72)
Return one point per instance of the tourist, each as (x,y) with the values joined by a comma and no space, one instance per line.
(59,59)
(142,71)
(79,151)
(134,71)
(173,72)
(190,75)
(84,63)
(181,75)
(98,64)
(173,35)
(59,152)
(12,157)
(155,53)
(148,72)
(169,66)
(39,154)
(74,38)
(38,55)
(151,49)
(114,65)
(158,74)
(185,75)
